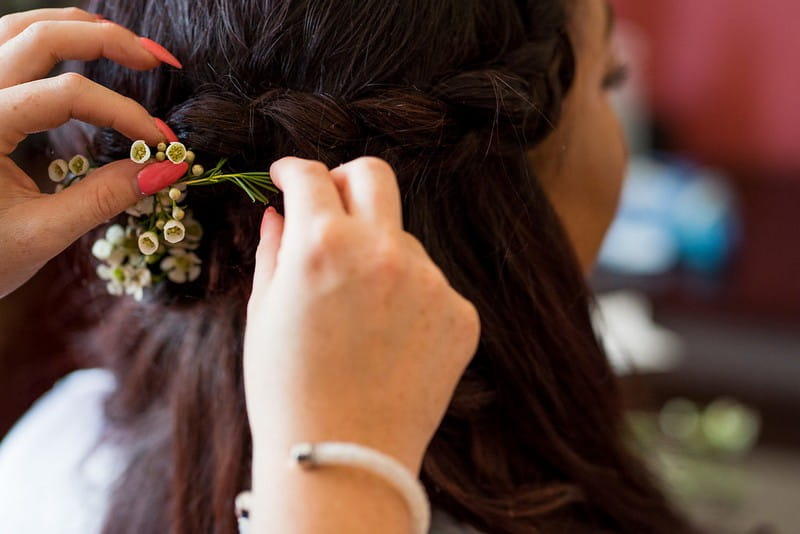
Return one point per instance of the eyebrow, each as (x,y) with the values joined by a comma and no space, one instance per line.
(610,19)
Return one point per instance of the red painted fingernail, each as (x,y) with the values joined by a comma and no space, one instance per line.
(166,130)
(158,176)
(267,214)
(161,53)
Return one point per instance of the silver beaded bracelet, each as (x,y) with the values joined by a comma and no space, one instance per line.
(313,455)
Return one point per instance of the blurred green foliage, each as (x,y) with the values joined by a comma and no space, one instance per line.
(10,6)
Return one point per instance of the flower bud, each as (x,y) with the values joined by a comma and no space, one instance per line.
(140,152)
(58,170)
(162,147)
(198,170)
(190,157)
(177,213)
(175,194)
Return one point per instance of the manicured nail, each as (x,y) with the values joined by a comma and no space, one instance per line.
(161,53)
(267,215)
(158,176)
(166,130)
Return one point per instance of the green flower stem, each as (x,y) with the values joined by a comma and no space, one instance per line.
(254,184)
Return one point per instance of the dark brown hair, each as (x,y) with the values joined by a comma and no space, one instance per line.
(452,93)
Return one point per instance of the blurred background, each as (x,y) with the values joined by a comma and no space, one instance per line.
(699,280)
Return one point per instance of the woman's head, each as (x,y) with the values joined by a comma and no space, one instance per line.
(461,97)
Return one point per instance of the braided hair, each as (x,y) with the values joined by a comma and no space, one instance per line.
(452,93)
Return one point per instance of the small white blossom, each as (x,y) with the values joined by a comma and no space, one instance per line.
(148,243)
(137,281)
(141,208)
(181,266)
(79,165)
(58,170)
(176,153)
(115,278)
(140,152)
(178,214)
(174,231)
(115,234)
(175,194)
(102,249)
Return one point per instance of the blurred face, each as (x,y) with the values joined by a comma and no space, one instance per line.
(582,164)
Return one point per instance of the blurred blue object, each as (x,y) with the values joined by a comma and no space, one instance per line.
(671,214)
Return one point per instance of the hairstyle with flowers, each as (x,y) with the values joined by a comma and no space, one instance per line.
(453,94)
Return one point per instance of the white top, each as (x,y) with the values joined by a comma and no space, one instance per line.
(55,476)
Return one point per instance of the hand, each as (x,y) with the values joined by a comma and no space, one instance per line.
(353,333)
(34,227)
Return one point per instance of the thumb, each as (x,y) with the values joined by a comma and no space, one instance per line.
(101,195)
(267,253)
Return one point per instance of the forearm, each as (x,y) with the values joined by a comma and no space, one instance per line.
(328,500)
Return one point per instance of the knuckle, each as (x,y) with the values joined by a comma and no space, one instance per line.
(375,167)
(101,205)
(388,260)
(74,12)
(326,239)
(70,82)
(305,166)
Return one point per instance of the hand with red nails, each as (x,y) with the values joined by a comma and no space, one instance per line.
(34,227)
(348,320)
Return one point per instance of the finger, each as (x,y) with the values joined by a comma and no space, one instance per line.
(45,104)
(369,189)
(15,23)
(308,189)
(103,194)
(34,52)
(267,253)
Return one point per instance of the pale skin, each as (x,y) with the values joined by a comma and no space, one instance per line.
(340,310)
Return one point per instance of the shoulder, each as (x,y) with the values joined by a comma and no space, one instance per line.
(51,462)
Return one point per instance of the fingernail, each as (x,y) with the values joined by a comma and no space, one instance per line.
(161,53)
(158,176)
(166,130)
(267,215)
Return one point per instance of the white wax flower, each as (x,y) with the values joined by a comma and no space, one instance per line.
(176,152)
(141,208)
(58,170)
(79,165)
(138,280)
(140,152)
(148,243)
(102,249)
(181,266)
(115,234)
(174,232)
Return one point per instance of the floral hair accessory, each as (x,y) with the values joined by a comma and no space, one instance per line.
(161,237)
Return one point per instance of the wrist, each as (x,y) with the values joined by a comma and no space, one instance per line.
(333,499)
